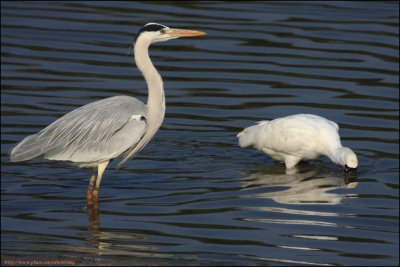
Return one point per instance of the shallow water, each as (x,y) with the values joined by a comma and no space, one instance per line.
(192,196)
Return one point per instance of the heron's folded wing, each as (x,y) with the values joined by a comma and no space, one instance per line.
(88,131)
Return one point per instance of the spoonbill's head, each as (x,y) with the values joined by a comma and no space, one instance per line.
(349,159)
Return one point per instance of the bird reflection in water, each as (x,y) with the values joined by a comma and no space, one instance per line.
(306,185)
(116,242)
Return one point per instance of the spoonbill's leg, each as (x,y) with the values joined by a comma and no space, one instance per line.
(291,161)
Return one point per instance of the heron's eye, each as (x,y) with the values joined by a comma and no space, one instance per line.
(163,31)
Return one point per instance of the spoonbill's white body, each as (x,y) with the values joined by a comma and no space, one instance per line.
(298,137)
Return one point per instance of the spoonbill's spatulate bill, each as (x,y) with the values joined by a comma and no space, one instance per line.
(298,137)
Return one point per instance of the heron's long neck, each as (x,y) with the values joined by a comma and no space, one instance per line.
(156,99)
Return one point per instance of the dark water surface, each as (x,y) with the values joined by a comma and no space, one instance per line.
(193,196)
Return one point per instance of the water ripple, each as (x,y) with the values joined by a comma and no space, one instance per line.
(193,197)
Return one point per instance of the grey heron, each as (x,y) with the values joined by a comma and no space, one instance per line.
(298,137)
(94,134)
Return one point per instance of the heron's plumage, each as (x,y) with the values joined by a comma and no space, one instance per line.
(98,132)
(93,133)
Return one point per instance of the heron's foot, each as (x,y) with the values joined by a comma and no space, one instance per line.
(96,195)
(92,207)
(93,211)
(89,195)
(92,201)
(94,222)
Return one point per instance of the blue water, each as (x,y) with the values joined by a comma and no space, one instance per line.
(193,196)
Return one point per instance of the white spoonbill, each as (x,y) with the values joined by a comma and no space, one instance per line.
(298,137)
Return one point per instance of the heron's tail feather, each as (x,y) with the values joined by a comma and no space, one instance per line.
(248,136)
(28,149)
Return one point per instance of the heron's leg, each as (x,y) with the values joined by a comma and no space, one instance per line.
(89,190)
(100,170)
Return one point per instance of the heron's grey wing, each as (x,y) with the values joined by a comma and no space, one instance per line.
(92,133)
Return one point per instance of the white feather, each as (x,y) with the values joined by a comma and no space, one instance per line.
(298,137)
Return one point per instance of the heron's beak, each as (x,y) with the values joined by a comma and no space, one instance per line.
(184,33)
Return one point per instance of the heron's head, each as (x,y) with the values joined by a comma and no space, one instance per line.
(154,32)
